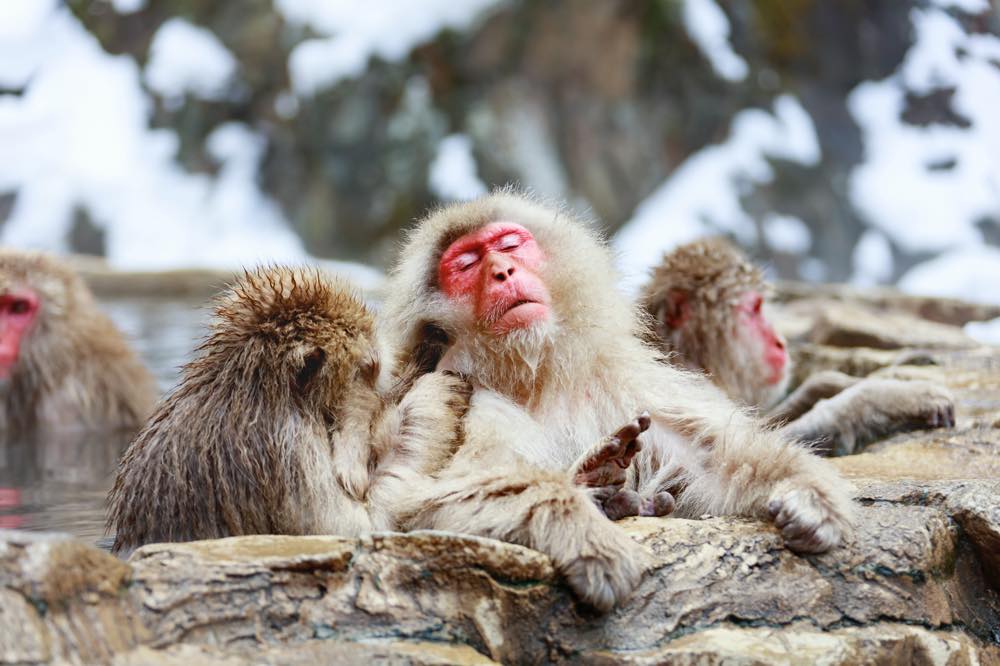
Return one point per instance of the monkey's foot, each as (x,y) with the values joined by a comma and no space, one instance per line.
(605,464)
(606,568)
(809,522)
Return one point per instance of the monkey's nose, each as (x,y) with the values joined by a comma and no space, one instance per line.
(501,275)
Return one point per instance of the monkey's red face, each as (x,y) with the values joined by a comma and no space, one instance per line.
(496,270)
(770,343)
(18,309)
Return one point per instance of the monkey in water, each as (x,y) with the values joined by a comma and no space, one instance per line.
(281,425)
(63,364)
(705,300)
(521,298)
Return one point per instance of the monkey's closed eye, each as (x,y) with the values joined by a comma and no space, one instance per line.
(311,365)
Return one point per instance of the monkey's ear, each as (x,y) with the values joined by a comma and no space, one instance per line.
(675,310)
(311,364)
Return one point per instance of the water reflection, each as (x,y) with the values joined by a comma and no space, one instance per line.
(59,480)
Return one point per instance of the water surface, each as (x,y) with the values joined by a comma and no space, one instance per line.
(59,481)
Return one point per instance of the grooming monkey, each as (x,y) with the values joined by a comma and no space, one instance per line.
(63,364)
(520,298)
(280,426)
(706,299)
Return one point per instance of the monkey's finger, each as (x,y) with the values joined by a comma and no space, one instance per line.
(628,433)
(644,421)
(626,458)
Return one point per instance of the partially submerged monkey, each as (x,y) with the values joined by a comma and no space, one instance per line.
(280,425)
(705,300)
(63,364)
(521,298)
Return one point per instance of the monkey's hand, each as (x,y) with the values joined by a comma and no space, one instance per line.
(431,415)
(873,409)
(603,470)
(811,519)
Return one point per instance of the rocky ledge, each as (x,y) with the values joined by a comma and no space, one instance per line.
(918,582)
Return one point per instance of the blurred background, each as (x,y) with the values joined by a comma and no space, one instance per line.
(852,141)
(856,140)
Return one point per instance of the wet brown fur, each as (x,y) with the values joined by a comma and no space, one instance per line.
(279,427)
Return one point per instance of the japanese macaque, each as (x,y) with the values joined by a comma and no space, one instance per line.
(63,364)
(521,298)
(705,300)
(280,426)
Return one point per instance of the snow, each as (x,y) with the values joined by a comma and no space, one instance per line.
(784,233)
(971,273)
(872,259)
(188,59)
(702,196)
(987,332)
(388,29)
(79,138)
(25,36)
(926,187)
(128,6)
(709,28)
(452,175)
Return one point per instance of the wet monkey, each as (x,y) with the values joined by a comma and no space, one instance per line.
(519,297)
(705,301)
(281,424)
(63,364)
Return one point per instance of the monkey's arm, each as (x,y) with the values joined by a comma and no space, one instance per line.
(819,386)
(489,489)
(870,410)
(726,462)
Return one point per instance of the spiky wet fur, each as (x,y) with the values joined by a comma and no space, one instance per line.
(75,369)
(528,422)
(278,427)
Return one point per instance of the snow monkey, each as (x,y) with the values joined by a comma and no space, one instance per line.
(521,298)
(63,364)
(706,299)
(281,425)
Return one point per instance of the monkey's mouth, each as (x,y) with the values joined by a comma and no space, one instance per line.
(522,313)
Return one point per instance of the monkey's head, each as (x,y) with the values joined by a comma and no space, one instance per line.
(706,302)
(293,335)
(37,296)
(504,287)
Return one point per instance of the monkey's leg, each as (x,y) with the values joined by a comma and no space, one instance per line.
(819,386)
(602,471)
(873,409)
(488,489)
(542,510)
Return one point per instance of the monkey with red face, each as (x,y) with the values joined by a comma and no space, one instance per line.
(63,364)
(706,302)
(520,298)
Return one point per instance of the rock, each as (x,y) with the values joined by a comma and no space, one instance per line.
(949,311)
(912,581)
(856,326)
